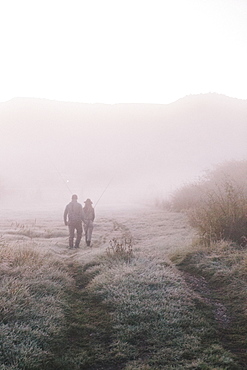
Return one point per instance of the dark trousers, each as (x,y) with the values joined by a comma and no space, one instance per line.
(88,228)
(76,225)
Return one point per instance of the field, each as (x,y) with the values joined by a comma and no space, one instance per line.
(145,296)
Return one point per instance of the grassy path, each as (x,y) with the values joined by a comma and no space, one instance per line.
(145,314)
(113,312)
(88,324)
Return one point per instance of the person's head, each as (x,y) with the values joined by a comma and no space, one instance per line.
(74,197)
(88,202)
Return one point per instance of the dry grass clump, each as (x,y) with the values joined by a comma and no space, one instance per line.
(121,250)
(31,307)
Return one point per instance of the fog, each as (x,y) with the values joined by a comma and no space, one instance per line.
(122,154)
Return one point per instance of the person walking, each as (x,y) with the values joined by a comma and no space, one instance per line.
(88,219)
(73,217)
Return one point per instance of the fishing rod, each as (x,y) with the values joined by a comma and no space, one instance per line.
(107,186)
(60,175)
(67,186)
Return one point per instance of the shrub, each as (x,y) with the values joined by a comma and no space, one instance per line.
(222,214)
(191,195)
(217,204)
(187,197)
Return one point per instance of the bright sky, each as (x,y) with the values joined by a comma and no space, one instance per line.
(122,51)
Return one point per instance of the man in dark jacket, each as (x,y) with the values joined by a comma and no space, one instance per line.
(73,216)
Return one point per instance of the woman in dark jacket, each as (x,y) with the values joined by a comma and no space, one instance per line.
(88,218)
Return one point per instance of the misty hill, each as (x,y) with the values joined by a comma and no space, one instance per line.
(147,150)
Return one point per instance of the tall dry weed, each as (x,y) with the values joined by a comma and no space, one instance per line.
(120,250)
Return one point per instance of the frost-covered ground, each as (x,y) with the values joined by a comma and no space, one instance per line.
(152,231)
(155,319)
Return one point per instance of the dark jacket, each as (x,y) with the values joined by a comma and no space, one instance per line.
(88,213)
(73,212)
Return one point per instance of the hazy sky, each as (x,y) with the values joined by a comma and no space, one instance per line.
(122,51)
